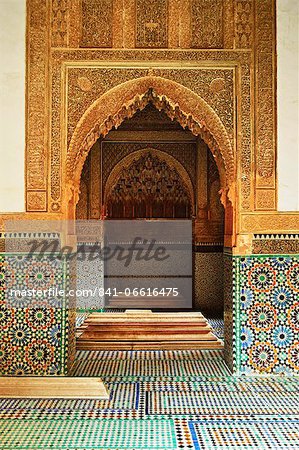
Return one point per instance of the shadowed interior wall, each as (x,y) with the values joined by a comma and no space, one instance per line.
(208,283)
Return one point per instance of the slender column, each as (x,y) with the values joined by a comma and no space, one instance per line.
(202,180)
(95,182)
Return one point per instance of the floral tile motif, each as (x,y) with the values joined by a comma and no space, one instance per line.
(36,333)
(267,319)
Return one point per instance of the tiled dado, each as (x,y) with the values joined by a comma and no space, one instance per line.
(36,336)
(266,314)
(261,315)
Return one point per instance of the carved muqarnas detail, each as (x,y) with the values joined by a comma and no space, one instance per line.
(149,188)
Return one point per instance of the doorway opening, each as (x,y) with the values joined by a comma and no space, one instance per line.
(151,168)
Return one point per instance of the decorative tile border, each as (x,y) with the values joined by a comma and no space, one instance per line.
(21,242)
(244,434)
(275,243)
(230,311)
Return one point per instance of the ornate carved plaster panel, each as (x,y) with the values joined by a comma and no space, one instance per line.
(65,17)
(171,168)
(247,24)
(207,23)
(97,23)
(151,23)
(85,85)
(36,111)
(244,23)
(265,199)
(265,89)
(37,200)
(59,23)
(266,223)
(95,181)
(218,85)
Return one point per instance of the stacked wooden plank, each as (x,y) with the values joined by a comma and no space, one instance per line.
(53,387)
(159,302)
(141,330)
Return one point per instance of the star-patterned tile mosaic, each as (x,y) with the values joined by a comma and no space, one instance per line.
(267,314)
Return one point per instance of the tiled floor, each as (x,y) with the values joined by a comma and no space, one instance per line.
(160,400)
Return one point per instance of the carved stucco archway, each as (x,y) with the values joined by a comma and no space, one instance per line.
(177,101)
(170,160)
